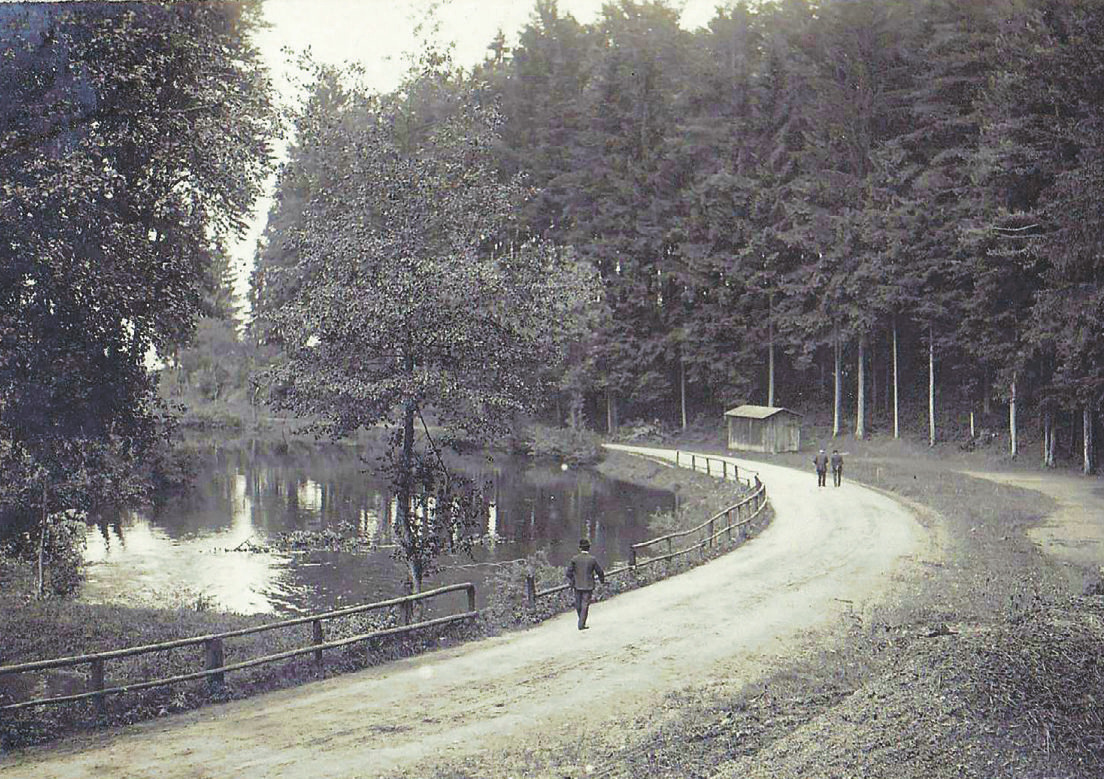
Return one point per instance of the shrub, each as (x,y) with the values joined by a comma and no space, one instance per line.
(573,446)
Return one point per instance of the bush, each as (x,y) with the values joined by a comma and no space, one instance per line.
(573,446)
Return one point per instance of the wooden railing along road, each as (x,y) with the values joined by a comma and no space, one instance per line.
(746,510)
(215,667)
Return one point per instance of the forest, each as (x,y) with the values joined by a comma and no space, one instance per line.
(886,211)
(885,215)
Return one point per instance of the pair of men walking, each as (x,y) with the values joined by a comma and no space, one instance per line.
(822,461)
(581,572)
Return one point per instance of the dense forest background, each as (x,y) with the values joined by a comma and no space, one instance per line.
(884,211)
(886,215)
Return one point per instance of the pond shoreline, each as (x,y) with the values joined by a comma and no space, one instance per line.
(45,629)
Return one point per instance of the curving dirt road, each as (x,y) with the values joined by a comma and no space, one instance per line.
(827,551)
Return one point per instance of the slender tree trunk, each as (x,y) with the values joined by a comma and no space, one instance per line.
(931,387)
(896,408)
(1052,455)
(837,404)
(874,378)
(682,389)
(40,575)
(986,408)
(860,411)
(973,432)
(611,413)
(1014,444)
(770,349)
(1087,424)
(406,518)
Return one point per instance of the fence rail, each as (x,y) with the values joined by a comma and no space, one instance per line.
(747,509)
(215,666)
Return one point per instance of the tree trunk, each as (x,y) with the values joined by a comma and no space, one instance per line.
(860,411)
(874,378)
(931,388)
(973,431)
(1048,439)
(611,413)
(405,517)
(986,408)
(837,405)
(896,409)
(40,574)
(770,349)
(682,389)
(1014,444)
(1087,425)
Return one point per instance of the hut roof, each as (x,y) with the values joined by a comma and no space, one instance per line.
(758,412)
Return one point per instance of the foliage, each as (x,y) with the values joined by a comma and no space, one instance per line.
(133,141)
(408,287)
(572,446)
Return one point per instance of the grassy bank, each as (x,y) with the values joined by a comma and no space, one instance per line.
(36,630)
(982,664)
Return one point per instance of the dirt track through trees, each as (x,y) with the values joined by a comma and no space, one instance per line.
(828,551)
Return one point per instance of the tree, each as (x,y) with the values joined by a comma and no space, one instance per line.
(409,293)
(133,141)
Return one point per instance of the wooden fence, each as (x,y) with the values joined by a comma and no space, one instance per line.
(213,655)
(746,510)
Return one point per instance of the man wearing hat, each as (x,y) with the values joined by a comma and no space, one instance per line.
(821,463)
(581,571)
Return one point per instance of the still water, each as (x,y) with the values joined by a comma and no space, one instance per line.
(186,548)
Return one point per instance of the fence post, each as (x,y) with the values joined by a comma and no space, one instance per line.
(708,466)
(711,534)
(632,557)
(316,634)
(728,524)
(215,658)
(676,458)
(724,470)
(407,609)
(670,545)
(471,597)
(97,684)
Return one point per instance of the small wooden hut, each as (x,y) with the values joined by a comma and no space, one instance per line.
(763,429)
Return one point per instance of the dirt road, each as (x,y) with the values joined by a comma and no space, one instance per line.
(1074,533)
(828,550)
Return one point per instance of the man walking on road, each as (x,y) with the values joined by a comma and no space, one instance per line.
(821,463)
(581,571)
(837,467)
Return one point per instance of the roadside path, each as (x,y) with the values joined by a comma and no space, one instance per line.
(1074,533)
(827,551)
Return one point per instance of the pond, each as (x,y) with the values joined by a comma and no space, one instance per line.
(190,547)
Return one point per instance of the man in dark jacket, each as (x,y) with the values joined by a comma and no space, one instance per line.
(821,463)
(837,467)
(581,571)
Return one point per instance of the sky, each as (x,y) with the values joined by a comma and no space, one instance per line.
(377,34)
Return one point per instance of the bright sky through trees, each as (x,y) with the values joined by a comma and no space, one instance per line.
(377,33)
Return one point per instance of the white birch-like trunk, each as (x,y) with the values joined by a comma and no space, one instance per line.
(896,409)
(931,388)
(770,350)
(837,404)
(860,411)
(682,389)
(973,434)
(1087,425)
(611,414)
(40,574)
(1014,444)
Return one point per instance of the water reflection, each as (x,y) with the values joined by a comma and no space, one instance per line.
(186,547)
